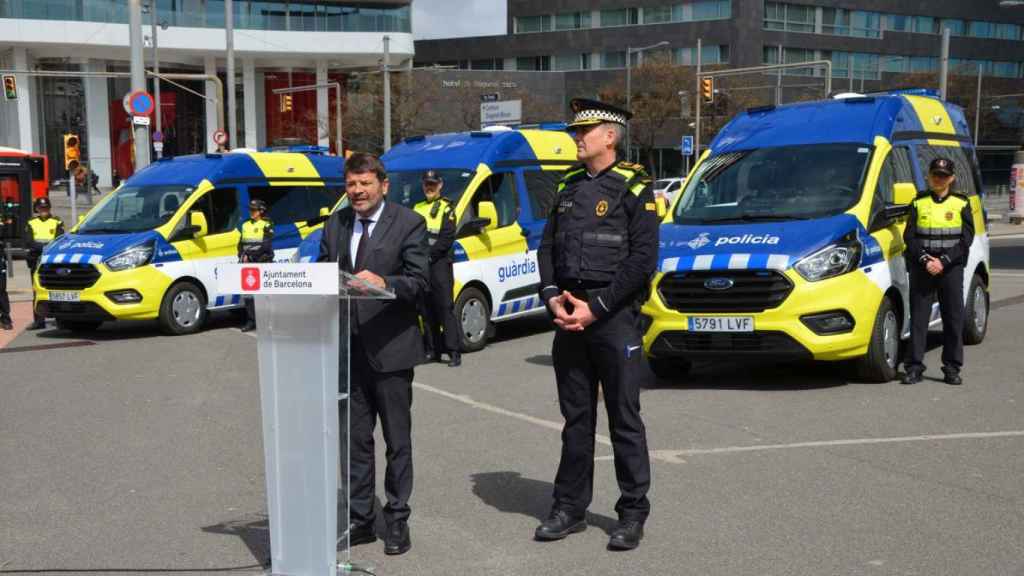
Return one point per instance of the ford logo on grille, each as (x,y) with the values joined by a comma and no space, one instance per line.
(63,271)
(718,283)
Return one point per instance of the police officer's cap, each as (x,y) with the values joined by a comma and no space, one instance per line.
(41,203)
(255,204)
(432,177)
(591,113)
(941,166)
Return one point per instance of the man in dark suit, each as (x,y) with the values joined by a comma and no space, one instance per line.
(383,244)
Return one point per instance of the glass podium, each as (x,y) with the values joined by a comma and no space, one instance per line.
(304,398)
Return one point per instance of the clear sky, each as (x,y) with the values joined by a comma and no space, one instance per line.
(451,18)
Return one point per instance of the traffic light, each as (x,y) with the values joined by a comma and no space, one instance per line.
(72,152)
(286,102)
(707,90)
(10,87)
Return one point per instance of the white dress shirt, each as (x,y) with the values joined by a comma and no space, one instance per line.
(357,231)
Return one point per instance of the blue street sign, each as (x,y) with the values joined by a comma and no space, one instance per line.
(141,103)
(158,136)
(686,146)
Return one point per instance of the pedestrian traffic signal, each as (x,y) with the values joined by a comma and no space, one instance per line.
(10,87)
(72,152)
(286,102)
(707,90)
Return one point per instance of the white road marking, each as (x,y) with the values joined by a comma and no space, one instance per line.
(601,439)
(676,455)
(1002,274)
(1005,237)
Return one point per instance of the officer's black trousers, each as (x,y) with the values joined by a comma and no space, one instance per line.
(949,286)
(5,302)
(387,395)
(609,353)
(32,259)
(441,310)
(250,309)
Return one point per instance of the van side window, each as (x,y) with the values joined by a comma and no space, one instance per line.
(220,206)
(962,161)
(295,203)
(541,186)
(901,163)
(500,188)
(883,194)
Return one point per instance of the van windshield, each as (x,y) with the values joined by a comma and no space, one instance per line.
(406,188)
(784,183)
(135,209)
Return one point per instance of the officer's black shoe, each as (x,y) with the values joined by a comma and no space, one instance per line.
(454,359)
(248,327)
(559,525)
(361,534)
(952,377)
(397,540)
(912,377)
(37,325)
(6,324)
(626,535)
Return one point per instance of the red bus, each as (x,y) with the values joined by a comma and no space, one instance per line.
(24,176)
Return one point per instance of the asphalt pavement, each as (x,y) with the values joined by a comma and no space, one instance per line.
(128,452)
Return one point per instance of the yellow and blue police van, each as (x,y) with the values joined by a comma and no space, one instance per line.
(502,183)
(786,241)
(150,249)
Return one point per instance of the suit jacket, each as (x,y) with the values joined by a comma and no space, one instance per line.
(389,330)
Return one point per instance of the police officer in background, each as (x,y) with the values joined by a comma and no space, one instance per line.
(40,231)
(597,255)
(254,245)
(5,302)
(440,310)
(939,234)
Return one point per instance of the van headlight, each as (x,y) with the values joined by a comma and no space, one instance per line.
(831,261)
(131,258)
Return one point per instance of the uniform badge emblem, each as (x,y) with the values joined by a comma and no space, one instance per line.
(602,208)
(949,216)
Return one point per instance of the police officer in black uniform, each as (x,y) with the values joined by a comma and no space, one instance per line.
(440,310)
(255,245)
(5,302)
(596,259)
(939,234)
(40,231)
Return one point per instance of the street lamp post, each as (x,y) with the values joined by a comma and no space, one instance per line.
(629,85)
(156,71)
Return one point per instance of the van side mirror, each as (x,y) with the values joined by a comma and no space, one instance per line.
(903,194)
(487,211)
(197,224)
(325,211)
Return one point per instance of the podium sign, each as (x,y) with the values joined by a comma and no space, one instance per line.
(302,319)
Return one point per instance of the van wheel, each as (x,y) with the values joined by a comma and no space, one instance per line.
(977,312)
(879,364)
(183,310)
(474,316)
(670,368)
(78,325)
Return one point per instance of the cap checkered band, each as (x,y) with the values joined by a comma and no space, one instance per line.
(595,116)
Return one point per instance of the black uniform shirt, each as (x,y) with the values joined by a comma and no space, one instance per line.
(601,235)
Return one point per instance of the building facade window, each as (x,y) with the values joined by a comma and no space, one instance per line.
(526,24)
(306,16)
(613,59)
(620,17)
(533,63)
(658,14)
(570,61)
(572,20)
